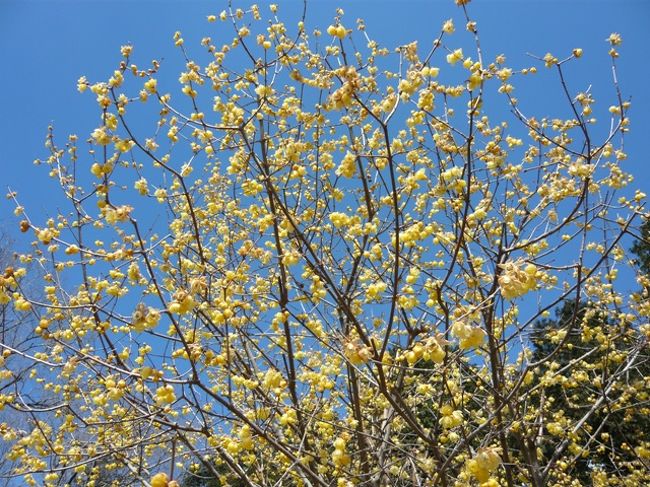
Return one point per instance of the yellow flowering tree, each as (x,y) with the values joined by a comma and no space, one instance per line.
(16,332)
(320,264)
(571,379)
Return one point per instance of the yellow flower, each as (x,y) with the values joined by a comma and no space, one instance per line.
(21,304)
(72,249)
(550,60)
(45,235)
(337,31)
(339,219)
(151,85)
(450,417)
(348,166)
(160,480)
(123,145)
(356,353)
(339,456)
(100,136)
(448,27)
(433,348)
(118,214)
(82,84)
(138,318)
(141,186)
(183,303)
(455,56)
(486,461)
(614,39)
(470,336)
(165,394)
(514,281)
(375,290)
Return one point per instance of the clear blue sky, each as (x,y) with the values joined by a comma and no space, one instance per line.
(46,45)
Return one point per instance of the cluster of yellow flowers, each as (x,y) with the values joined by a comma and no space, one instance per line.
(117,214)
(469,334)
(340,457)
(162,480)
(165,394)
(483,465)
(339,219)
(515,281)
(144,318)
(356,352)
(337,31)
(183,302)
(375,290)
(450,417)
(343,97)
(430,349)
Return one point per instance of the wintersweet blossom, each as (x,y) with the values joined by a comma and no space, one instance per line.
(470,335)
(484,463)
(356,352)
(516,281)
